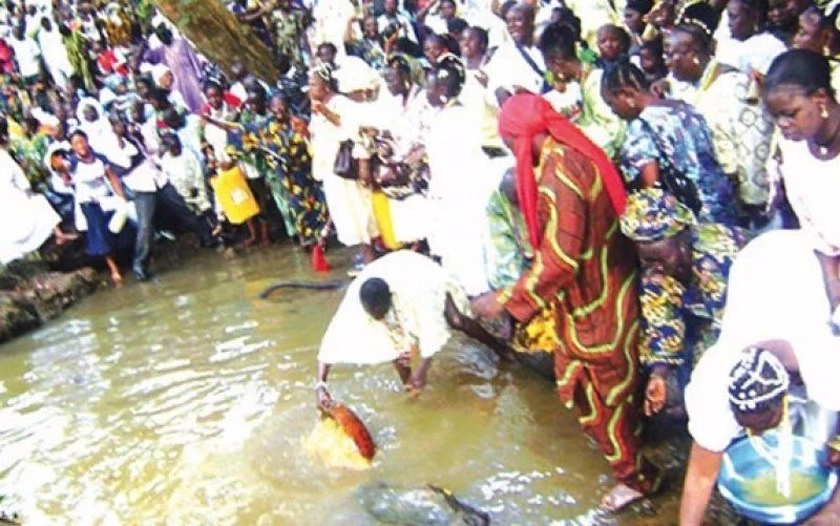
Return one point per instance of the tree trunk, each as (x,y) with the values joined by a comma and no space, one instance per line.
(218,35)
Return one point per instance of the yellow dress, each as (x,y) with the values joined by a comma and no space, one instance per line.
(234,196)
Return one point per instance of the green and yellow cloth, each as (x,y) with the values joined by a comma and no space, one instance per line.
(653,214)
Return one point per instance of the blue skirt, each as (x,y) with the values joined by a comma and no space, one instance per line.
(99,240)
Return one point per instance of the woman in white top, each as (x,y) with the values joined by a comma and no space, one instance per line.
(28,219)
(401,115)
(348,200)
(462,180)
(100,195)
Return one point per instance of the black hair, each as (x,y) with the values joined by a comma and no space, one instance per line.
(172,118)
(456,26)
(624,74)
(697,33)
(699,20)
(327,45)
(449,72)
(75,132)
(559,39)
(171,139)
(643,7)
(375,295)
(505,7)
(400,64)
(408,47)
(213,84)
(802,68)
(481,35)
(159,95)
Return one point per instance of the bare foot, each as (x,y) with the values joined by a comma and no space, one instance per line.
(116,277)
(619,497)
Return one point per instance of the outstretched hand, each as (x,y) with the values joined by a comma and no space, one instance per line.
(655,395)
(487,306)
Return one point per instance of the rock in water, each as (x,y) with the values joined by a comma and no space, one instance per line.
(429,505)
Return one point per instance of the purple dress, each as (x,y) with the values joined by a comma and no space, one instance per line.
(187,72)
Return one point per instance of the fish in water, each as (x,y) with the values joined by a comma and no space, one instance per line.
(301,284)
(353,426)
(428,505)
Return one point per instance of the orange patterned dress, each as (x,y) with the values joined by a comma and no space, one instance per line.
(585,274)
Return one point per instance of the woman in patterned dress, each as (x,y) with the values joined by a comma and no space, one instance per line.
(668,144)
(288,153)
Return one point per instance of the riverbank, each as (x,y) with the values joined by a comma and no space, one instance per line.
(31,295)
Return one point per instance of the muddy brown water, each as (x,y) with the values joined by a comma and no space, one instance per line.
(186,400)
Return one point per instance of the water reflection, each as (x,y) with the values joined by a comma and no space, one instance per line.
(187,400)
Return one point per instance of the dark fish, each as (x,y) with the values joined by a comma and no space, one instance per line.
(301,284)
(426,506)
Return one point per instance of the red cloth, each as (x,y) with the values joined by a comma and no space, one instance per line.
(525,116)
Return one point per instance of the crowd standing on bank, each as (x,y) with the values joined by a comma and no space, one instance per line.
(634,195)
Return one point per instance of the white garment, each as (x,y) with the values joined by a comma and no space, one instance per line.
(409,216)
(752,55)
(140,179)
(330,23)
(406,30)
(812,187)
(349,203)
(27,54)
(99,131)
(776,291)
(458,193)
(55,56)
(28,220)
(185,174)
(508,69)
(419,287)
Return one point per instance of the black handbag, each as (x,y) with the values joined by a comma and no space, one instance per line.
(671,179)
(345,165)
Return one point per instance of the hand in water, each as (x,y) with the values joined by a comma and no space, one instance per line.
(325,401)
(416,383)
(655,395)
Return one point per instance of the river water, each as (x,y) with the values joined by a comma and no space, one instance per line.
(187,400)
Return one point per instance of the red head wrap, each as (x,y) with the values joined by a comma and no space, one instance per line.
(525,116)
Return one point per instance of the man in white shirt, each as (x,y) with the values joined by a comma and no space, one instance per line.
(517,65)
(27,56)
(400,305)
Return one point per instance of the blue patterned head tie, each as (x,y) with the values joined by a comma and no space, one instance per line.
(652,214)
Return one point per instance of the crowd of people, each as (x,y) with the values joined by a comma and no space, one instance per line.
(633,195)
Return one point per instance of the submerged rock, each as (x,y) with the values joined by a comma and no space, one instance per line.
(428,505)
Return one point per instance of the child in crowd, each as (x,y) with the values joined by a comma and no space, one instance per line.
(613,45)
(651,61)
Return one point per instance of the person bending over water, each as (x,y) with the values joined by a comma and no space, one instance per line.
(400,305)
